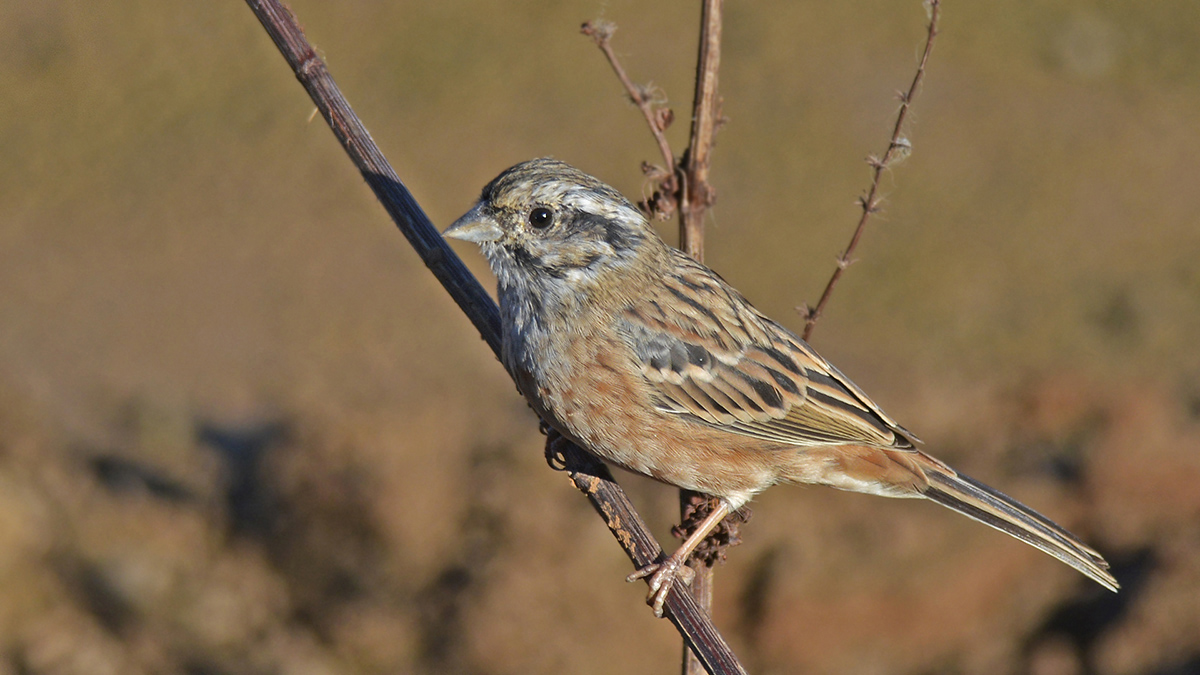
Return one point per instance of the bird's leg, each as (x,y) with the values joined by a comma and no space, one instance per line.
(662,575)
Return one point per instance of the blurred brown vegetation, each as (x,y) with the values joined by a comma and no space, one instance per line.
(242,430)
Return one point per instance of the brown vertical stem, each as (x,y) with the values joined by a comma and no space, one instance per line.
(696,196)
(701,588)
(702,593)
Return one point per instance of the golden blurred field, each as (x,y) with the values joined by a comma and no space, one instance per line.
(243,431)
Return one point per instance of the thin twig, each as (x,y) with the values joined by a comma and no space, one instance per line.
(898,149)
(587,472)
(601,33)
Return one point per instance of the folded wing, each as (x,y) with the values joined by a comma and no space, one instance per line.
(712,357)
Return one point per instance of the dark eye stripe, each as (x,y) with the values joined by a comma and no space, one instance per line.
(618,236)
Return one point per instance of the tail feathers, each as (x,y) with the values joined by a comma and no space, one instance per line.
(990,507)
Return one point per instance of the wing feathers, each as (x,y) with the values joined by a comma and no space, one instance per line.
(710,355)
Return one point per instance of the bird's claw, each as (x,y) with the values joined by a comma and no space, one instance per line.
(662,578)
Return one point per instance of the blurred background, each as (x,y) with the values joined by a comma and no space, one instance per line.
(243,431)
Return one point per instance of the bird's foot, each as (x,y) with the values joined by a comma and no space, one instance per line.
(662,579)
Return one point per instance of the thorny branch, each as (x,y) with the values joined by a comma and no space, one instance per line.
(658,119)
(664,200)
(897,150)
(585,471)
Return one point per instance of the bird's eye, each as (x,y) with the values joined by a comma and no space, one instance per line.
(541,218)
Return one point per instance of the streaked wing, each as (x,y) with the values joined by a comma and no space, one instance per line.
(714,358)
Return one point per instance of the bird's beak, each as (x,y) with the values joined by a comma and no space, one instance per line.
(476,225)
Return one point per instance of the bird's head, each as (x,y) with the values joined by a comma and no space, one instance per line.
(548,228)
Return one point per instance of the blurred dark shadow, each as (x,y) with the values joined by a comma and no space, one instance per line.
(127,476)
(311,508)
(204,667)
(441,604)
(1188,666)
(99,597)
(243,449)
(1083,620)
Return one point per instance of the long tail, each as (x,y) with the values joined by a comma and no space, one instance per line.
(990,507)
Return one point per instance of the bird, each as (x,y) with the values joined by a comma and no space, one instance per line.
(651,361)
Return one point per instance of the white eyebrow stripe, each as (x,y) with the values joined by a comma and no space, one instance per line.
(589,202)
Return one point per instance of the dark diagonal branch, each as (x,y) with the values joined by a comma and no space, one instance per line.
(898,149)
(586,472)
(396,199)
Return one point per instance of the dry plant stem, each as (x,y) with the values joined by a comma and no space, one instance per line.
(601,34)
(706,117)
(589,473)
(696,196)
(695,505)
(870,203)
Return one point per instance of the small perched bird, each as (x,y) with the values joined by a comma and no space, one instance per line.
(651,361)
